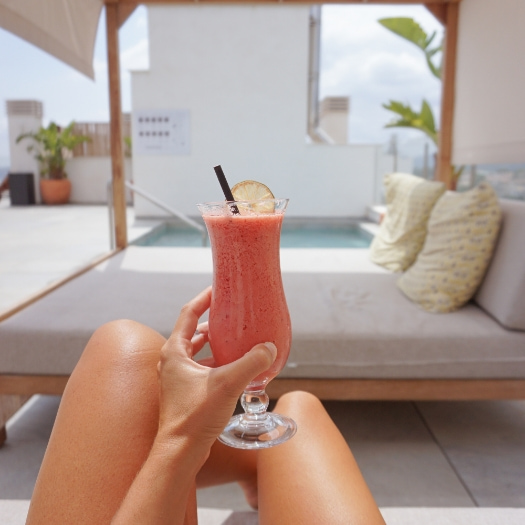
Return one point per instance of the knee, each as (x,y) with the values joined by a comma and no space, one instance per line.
(125,340)
(299,402)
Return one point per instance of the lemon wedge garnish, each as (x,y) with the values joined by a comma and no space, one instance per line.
(251,190)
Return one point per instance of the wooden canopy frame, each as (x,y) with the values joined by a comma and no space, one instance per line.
(117,11)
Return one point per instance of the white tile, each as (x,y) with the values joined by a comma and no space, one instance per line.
(398,458)
(485,441)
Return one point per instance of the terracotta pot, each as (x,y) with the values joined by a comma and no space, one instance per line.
(55,191)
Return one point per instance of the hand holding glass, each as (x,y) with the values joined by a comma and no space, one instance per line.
(249,307)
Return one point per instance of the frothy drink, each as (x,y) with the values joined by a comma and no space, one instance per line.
(248,302)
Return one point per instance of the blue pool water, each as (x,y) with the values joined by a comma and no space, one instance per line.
(301,235)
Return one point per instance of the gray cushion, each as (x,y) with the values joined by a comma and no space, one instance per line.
(502,292)
(361,326)
(348,318)
(48,337)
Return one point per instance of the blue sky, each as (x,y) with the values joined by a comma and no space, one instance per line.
(359,58)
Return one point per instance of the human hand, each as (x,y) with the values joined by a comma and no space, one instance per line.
(197,401)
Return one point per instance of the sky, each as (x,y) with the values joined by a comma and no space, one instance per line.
(359,59)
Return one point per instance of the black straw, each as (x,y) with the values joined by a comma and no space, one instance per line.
(226,189)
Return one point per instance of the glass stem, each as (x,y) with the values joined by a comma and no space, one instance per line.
(255,403)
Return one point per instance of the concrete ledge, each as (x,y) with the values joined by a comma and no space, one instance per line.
(14,512)
(453,516)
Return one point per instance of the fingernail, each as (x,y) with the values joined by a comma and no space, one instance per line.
(272,348)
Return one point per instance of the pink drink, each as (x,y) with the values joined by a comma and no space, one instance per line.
(248,303)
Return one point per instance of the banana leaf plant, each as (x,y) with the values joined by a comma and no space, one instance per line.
(52,146)
(423,119)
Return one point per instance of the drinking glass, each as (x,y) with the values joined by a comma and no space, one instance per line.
(248,307)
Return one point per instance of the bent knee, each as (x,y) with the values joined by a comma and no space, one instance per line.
(125,339)
(299,400)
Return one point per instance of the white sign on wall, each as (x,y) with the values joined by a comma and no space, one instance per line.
(161,132)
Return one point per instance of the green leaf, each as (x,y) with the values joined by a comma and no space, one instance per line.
(422,120)
(408,29)
(50,144)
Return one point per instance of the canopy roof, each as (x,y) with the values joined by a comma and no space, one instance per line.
(64,28)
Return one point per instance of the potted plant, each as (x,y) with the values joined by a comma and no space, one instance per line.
(52,146)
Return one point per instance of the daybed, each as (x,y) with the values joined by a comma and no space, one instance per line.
(355,335)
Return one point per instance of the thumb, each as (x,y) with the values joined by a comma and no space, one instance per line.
(250,365)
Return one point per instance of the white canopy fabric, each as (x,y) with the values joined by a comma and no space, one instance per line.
(489,117)
(65,29)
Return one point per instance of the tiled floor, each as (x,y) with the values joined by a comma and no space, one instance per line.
(41,244)
(457,454)
(461,454)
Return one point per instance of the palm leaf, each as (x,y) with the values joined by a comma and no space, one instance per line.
(408,118)
(410,30)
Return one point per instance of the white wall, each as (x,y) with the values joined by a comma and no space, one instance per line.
(489,117)
(89,177)
(242,73)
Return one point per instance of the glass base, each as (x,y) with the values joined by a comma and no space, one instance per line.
(258,431)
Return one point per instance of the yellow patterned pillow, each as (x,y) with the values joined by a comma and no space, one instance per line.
(462,232)
(409,201)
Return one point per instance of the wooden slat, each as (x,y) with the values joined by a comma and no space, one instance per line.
(402,389)
(117,154)
(99,144)
(444,155)
(125,11)
(328,389)
(439,11)
(25,385)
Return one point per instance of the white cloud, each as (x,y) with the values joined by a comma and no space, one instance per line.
(363,60)
(136,57)
(101,69)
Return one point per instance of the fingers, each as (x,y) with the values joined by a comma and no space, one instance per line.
(202,329)
(191,313)
(241,372)
(200,337)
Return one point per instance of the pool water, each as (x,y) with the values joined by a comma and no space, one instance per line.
(306,235)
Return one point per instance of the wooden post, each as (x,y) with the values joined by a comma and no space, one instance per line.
(439,11)
(115,111)
(444,170)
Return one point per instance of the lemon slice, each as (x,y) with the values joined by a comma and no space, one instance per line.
(251,190)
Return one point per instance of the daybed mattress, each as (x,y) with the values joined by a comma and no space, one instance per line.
(348,318)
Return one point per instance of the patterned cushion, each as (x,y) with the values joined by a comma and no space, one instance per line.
(462,232)
(409,200)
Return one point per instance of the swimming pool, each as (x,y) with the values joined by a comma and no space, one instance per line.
(295,234)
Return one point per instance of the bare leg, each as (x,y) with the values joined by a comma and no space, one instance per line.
(313,478)
(105,426)
(104,430)
(108,419)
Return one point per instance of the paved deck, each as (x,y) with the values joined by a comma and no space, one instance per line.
(432,454)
